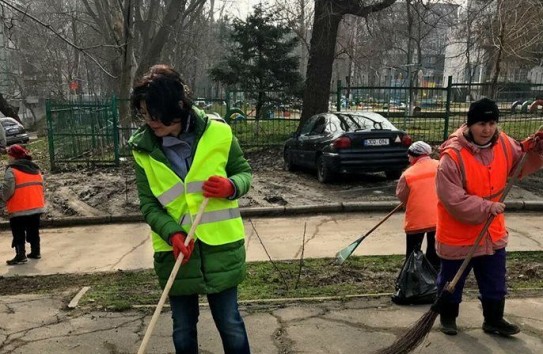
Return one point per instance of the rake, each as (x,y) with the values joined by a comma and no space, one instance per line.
(342,255)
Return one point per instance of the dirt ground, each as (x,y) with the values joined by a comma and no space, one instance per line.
(112,191)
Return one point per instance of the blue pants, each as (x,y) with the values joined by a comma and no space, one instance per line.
(489,272)
(224,309)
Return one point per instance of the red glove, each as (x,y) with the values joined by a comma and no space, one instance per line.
(533,143)
(218,187)
(178,243)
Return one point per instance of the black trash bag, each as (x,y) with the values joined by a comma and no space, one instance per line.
(416,283)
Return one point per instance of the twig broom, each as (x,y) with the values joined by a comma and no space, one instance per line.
(420,329)
(171,279)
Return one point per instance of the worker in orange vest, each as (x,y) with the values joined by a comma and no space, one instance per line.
(475,164)
(23,192)
(416,190)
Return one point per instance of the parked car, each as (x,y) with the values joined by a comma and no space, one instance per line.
(345,142)
(15,131)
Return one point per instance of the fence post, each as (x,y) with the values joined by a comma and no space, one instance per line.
(447,107)
(50,138)
(115,124)
(338,96)
(227,99)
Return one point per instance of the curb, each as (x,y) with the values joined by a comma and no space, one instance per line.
(349,207)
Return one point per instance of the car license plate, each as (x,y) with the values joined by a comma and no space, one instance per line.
(376,142)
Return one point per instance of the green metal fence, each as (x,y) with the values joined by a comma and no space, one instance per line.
(264,132)
(83,132)
(432,112)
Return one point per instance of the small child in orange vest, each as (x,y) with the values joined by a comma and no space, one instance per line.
(23,192)
(416,189)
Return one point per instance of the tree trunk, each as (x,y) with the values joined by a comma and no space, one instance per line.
(497,63)
(127,71)
(321,57)
(328,14)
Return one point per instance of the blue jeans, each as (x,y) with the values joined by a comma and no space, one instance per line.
(489,272)
(224,309)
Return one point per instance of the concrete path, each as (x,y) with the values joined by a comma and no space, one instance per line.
(40,324)
(95,248)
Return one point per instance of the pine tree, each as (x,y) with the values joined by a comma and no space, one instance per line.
(260,61)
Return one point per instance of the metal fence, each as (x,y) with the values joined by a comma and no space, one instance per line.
(83,132)
(89,133)
(432,112)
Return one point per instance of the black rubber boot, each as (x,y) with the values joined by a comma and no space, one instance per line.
(20,256)
(447,316)
(494,322)
(34,252)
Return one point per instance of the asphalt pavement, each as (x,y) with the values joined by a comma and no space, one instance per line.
(362,324)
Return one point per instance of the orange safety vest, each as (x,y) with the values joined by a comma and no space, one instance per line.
(487,182)
(28,192)
(421,208)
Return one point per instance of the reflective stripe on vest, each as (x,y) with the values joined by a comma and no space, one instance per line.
(421,208)
(487,182)
(28,193)
(221,222)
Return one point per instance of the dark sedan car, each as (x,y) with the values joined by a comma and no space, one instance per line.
(15,131)
(344,142)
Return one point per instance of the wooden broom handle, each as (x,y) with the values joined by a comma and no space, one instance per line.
(171,279)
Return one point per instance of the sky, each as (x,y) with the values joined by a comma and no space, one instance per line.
(241,8)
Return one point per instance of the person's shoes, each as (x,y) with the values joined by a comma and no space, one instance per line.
(447,315)
(494,321)
(33,255)
(502,327)
(448,326)
(18,259)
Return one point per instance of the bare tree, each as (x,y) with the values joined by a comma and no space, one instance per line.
(515,36)
(328,14)
(297,15)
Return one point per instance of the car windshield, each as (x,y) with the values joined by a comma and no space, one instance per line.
(356,122)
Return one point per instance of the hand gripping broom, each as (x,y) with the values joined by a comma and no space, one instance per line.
(420,329)
(171,279)
(342,255)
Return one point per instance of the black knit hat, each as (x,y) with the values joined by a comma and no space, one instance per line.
(483,110)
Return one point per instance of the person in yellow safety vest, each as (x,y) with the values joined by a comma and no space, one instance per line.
(416,190)
(476,162)
(23,192)
(182,156)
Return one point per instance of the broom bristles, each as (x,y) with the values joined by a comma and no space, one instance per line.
(414,336)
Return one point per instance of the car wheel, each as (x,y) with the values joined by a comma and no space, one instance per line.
(324,174)
(394,174)
(287,162)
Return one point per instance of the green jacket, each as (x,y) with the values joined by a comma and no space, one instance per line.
(211,269)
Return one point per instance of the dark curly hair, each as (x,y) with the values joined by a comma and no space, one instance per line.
(165,94)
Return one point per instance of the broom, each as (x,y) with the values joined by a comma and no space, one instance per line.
(171,279)
(420,329)
(342,255)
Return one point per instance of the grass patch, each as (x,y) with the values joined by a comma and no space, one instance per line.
(315,278)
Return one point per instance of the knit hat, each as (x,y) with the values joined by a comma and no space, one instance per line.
(419,148)
(18,152)
(483,110)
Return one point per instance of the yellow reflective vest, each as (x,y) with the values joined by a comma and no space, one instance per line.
(221,222)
